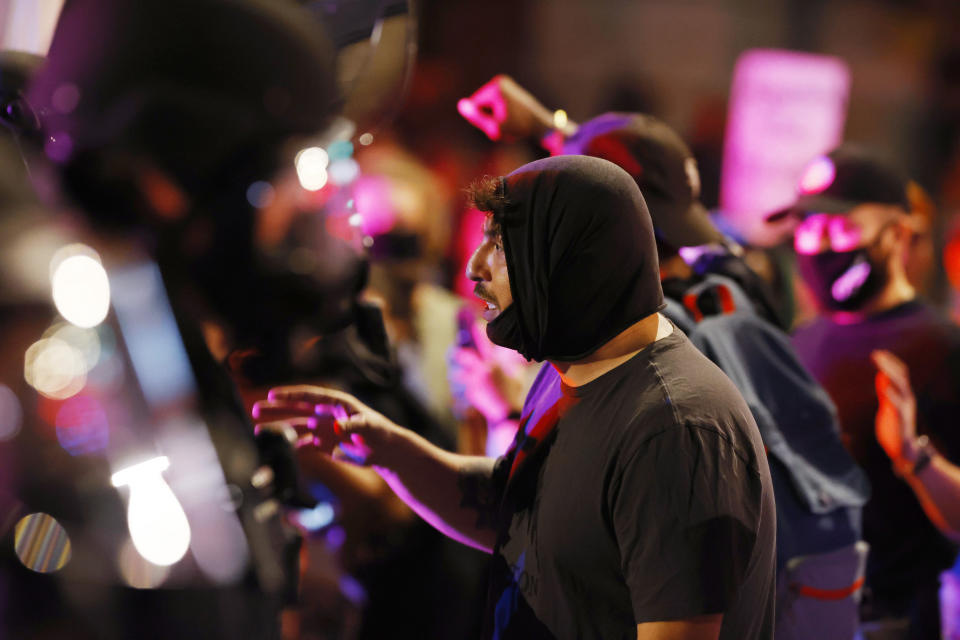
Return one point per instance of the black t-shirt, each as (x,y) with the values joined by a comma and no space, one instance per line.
(650,501)
(906,551)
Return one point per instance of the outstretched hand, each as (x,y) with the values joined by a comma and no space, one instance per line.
(331,420)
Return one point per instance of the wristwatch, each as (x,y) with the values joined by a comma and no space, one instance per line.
(924,456)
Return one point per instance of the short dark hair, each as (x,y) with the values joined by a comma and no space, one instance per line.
(486,194)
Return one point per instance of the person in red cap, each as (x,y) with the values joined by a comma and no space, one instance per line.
(851,239)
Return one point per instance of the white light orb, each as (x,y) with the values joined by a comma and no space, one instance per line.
(81,290)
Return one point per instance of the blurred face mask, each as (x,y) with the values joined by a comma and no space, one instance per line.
(846,280)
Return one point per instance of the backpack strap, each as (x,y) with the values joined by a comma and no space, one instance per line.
(709,299)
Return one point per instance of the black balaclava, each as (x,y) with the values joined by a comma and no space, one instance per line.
(581,257)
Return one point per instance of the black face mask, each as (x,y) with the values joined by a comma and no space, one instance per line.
(504,330)
(845,280)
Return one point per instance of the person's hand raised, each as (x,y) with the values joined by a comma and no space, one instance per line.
(504,110)
(332,420)
(896,424)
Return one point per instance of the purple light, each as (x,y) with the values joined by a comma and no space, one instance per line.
(66,97)
(82,426)
(844,234)
(260,194)
(316,518)
(373,202)
(818,175)
(335,537)
(808,236)
(58,147)
(785,108)
(851,280)
(353,590)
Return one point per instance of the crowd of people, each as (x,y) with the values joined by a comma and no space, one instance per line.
(615,431)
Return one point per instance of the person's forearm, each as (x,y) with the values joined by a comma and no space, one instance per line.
(452,492)
(937,486)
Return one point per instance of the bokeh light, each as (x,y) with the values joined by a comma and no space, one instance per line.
(560,119)
(138,572)
(54,368)
(317,518)
(85,341)
(335,537)
(218,544)
(366,139)
(344,171)
(311,166)
(844,234)
(81,289)
(66,97)
(157,523)
(58,147)
(82,426)
(373,201)
(818,175)
(260,194)
(11,413)
(808,235)
(340,149)
(41,543)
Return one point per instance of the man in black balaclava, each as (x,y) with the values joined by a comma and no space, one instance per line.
(636,498)
(851,241)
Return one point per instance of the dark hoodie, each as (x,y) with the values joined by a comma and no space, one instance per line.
(581,257)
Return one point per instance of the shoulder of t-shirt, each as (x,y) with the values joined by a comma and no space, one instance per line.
(637,439)
(937,318)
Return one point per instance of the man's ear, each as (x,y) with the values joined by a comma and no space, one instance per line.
(162,194)
(907,227)
(916,224)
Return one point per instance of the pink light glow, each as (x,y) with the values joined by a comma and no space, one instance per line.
(82,426)
(818,175)
(852,279)
(470,237)
(808,236)
(485,109)
(785,108)
(373,202)
(844,235)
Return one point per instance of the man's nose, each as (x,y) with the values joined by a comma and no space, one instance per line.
(477,269)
